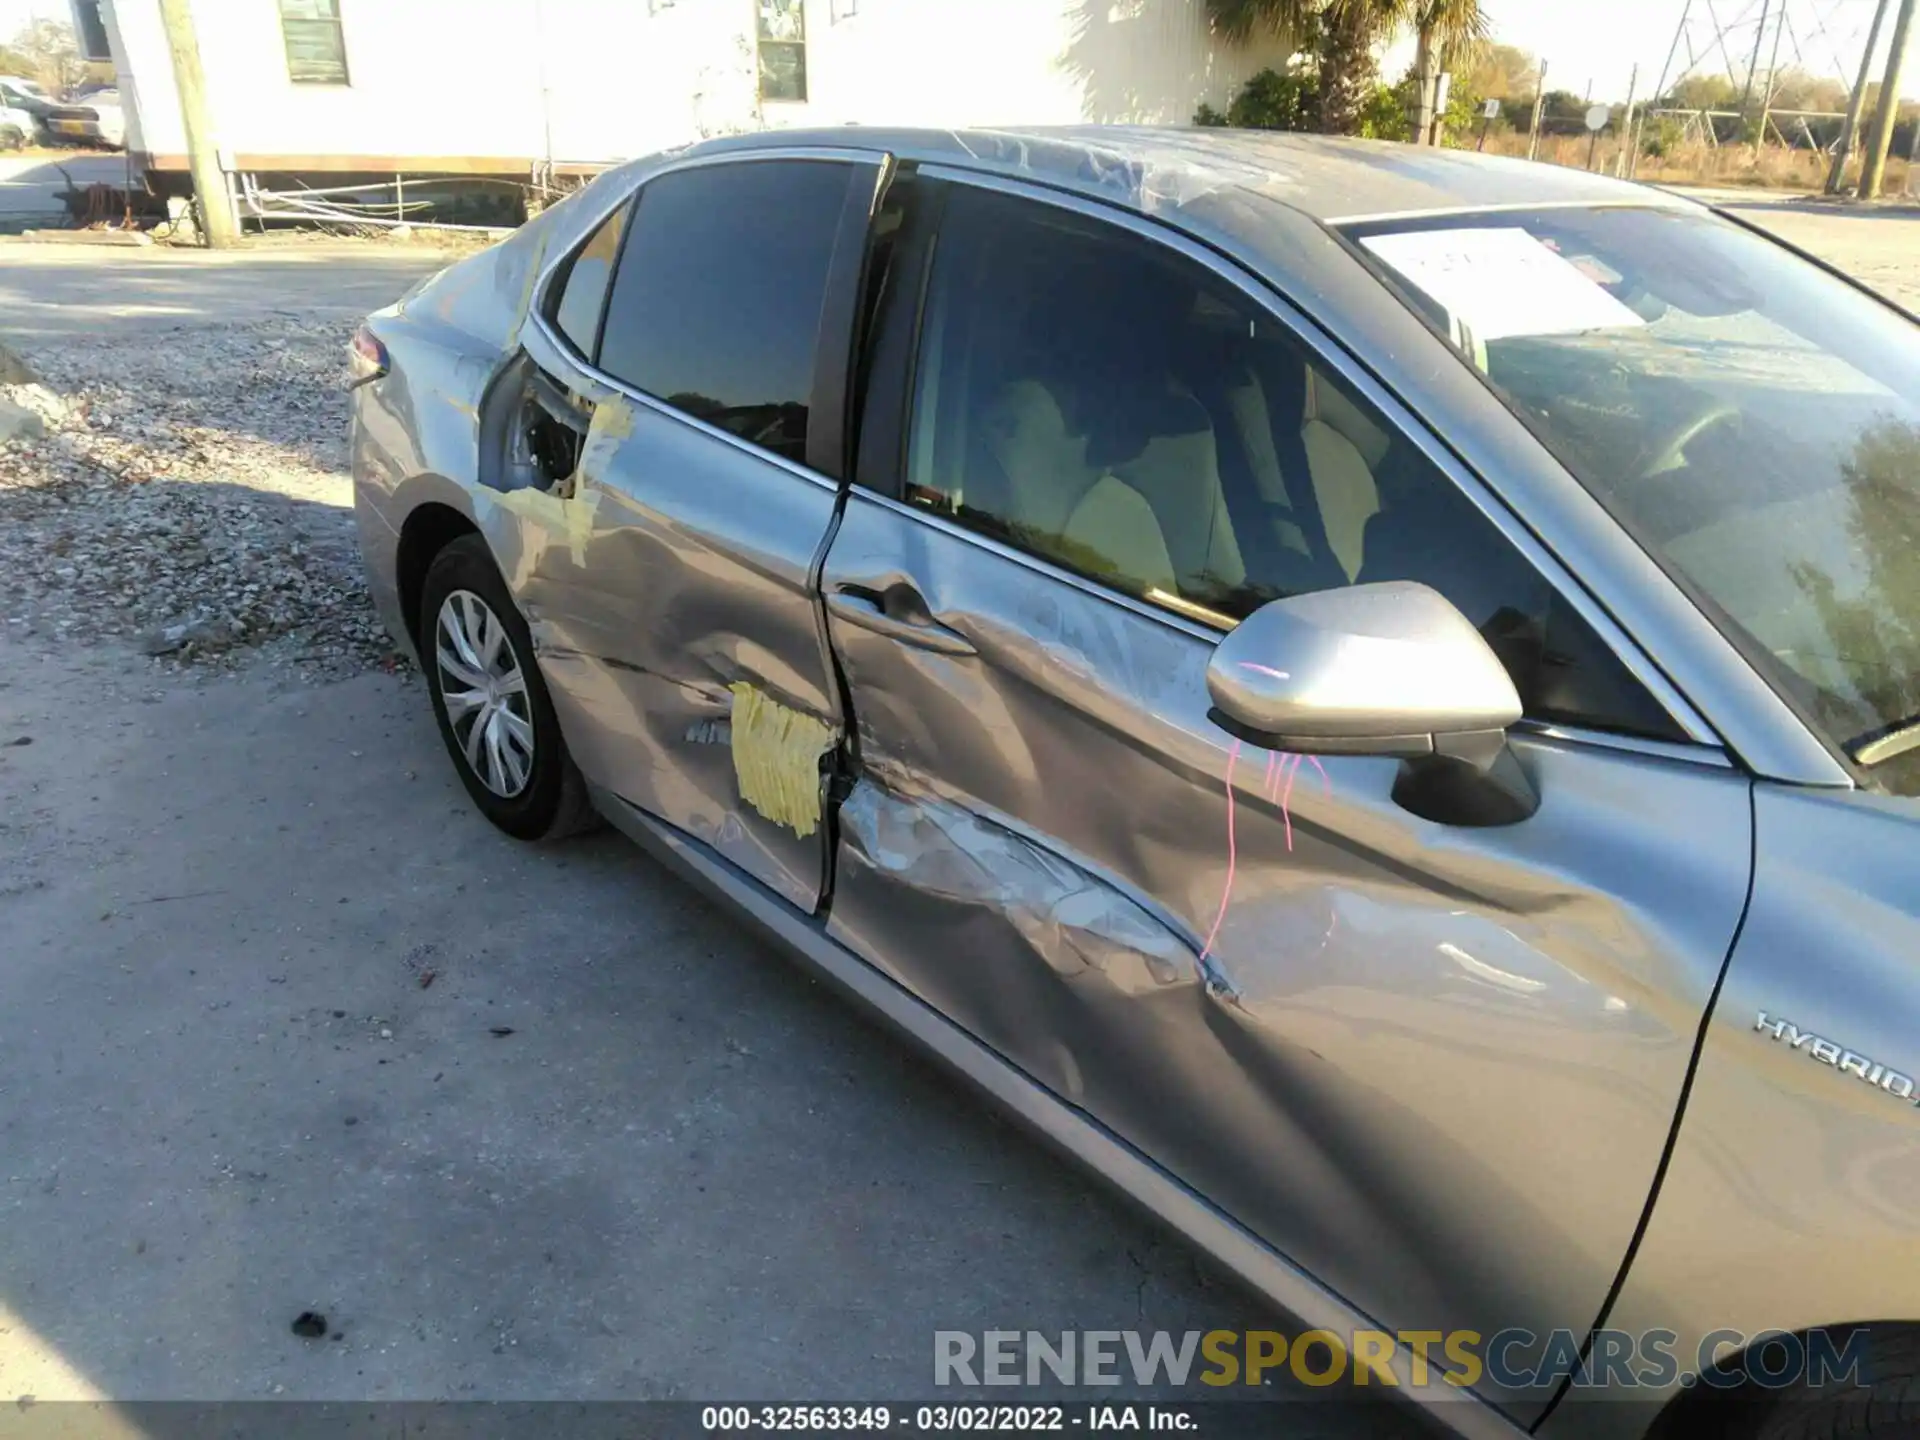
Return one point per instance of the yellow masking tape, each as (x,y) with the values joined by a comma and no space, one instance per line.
(572,519)
(776,759)
(612,422)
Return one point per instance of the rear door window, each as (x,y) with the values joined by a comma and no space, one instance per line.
(716,304)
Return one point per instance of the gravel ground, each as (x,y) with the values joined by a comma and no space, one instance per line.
(187,493)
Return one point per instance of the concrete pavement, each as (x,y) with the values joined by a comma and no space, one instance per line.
(1879,244)
(49,290)
(31,185)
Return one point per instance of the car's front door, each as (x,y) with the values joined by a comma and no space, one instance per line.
(669,583)
(1435,1065)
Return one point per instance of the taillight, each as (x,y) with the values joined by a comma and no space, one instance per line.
(366,357)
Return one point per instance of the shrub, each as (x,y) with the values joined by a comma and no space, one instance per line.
(1272,100)
(1662,136)
(1386,115)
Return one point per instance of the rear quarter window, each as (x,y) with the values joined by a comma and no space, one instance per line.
(583,288)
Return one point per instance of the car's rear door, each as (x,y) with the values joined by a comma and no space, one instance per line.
(1435,1065)
(669,581)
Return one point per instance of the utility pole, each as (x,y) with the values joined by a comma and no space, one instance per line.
(1660,85)
(1539,101)
(1766,96)
(209,180)
(1753,65)
(1856,101)
(1873,169)
(1627,145)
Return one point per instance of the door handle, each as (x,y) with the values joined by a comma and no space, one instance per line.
(868,611)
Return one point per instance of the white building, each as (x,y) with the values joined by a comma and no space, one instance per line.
(503,86)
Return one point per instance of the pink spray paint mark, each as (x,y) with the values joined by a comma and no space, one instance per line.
(1325,783)
(1265,670)
(1233,858)
(1266,784)
(1286,798)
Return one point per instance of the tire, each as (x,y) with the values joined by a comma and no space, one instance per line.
(12,138)
(500,729)
(1884,1405)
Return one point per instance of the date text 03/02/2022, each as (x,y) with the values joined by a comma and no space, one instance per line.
(941,1418)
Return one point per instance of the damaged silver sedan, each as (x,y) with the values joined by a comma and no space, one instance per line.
(1336,681)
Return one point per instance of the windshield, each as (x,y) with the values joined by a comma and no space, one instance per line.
(1752,419)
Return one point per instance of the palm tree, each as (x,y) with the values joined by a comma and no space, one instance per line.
(1343,35)
(1449,31)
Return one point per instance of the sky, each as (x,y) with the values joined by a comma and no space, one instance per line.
(14,14)
(1600,41)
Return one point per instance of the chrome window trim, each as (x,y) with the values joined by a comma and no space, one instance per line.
(1327,351)
(1039,564)
(747,447)
(1652,198)
(537,305)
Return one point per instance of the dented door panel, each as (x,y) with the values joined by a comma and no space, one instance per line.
(667,592)
(1436,1067)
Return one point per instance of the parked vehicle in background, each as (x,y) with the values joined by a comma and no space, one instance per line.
(1373,695)
(96,119)
(19,93)
(17,128)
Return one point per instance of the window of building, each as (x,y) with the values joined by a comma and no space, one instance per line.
(1184,448)
(715,310)
(316,48)
(783,49)
(584,289)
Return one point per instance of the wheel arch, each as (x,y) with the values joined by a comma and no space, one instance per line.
(429,528)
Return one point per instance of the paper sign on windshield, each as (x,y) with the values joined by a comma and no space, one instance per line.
(1501,282)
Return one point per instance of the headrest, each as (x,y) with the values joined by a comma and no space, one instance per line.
(1139,416)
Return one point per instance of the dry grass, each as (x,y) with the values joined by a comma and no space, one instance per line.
(1775,168)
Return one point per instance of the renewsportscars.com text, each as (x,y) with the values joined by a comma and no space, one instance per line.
(1459,1359)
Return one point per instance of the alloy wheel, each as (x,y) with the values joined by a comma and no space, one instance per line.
(485,693)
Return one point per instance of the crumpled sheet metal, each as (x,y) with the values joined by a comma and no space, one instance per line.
(1403,1036)
(1072,919)
(715,548)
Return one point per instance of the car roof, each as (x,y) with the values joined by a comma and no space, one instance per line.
(1265,199)
(1323,177)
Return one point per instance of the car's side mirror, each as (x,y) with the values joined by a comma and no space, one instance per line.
(1388,669)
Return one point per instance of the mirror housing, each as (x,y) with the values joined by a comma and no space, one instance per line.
(1384,669)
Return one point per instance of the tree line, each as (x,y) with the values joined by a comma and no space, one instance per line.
(1332,84)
